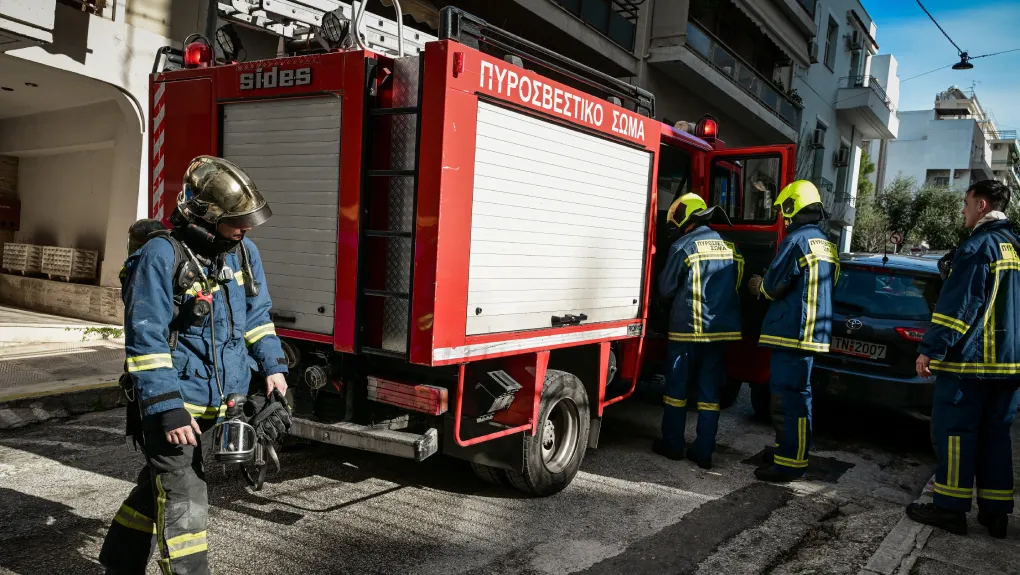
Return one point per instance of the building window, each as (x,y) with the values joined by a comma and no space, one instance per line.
(843,173)
(830,44)
(819,160)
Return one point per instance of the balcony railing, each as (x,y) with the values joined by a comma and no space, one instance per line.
(846,198)
(715,53)
(614,19)
(868,82)
(824,186)
(1000,134)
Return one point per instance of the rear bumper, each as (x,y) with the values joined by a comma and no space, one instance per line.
(911,396)
(386,441)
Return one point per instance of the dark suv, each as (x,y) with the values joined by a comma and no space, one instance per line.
(882,308)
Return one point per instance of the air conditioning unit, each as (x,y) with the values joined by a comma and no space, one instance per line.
(813,51)
(818,138)
(841,158)
(855,40)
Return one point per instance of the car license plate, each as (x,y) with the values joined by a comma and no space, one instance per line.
(857,348)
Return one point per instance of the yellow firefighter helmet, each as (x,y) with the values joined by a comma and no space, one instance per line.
(797,196)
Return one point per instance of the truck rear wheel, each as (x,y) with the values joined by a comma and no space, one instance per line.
(493,475)
(553,455)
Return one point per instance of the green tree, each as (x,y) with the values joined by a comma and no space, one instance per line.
(870,224)
(937,218)
(864,186)
(897,203)
(1013,212)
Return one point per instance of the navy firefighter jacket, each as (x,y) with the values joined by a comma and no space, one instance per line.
(702,276)
(184,377)
(975,329)
(799,286)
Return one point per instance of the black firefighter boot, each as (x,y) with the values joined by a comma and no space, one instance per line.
(996,523)
(946,519)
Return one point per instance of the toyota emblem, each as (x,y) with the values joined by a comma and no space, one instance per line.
(853,324)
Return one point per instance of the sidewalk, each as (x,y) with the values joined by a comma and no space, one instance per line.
(54,367)
(19,326)
(915,549)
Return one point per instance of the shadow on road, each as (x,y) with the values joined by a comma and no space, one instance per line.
(41,537)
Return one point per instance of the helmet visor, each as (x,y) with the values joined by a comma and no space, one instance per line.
(250,220)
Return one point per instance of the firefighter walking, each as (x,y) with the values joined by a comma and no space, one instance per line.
(797,325)
(189,345)
(702,278)
(972,347)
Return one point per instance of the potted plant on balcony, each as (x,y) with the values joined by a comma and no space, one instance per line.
(795,97)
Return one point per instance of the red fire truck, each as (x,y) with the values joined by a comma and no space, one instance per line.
(462,252)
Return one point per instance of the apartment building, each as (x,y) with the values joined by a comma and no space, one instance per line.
(75,107)
(850,96)
(954,144)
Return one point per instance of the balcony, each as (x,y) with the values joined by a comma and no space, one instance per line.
(26,23)
(845,209)
(614,19)
(862,101)
(705,66)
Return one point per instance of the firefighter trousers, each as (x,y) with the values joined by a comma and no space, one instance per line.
(971,420)
(701,365)
(790,387)
(168,506)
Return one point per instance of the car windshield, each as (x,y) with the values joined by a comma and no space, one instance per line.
(885,295)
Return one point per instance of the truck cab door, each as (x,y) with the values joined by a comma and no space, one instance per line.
(744,182)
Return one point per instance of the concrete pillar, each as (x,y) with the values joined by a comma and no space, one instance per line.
(128,191)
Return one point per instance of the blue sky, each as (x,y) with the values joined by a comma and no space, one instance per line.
(979,27)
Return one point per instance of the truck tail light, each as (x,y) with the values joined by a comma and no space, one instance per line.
(910,333)
(421,398)
(197,55)
(458,64)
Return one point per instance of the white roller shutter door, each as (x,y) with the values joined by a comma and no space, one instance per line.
(558,224)
(291,148)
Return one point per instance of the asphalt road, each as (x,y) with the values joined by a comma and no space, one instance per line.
(628,511)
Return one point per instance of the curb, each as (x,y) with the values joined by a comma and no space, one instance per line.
(36,407)
(898,551)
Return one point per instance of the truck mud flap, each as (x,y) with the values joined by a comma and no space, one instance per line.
(366,438)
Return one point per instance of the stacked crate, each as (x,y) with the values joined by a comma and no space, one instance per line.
(22,258)
(68,263)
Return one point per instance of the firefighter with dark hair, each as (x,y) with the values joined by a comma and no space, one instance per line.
(797,325)
(197,326)
(702,278)
(973,347)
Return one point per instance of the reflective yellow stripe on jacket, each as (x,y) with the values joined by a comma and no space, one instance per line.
(149,362)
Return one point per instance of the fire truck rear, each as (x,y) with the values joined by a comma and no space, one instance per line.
(461,256)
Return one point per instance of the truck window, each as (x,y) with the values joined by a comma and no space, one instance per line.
(746,188)
(674,175)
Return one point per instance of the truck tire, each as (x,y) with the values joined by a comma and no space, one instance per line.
(493,475)
(761,401)
(730,392)
(553,455)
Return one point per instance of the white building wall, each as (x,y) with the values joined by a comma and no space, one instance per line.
(819,88)
(928,144)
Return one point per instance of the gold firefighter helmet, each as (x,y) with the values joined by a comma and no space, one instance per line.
(216,190)
(797,196)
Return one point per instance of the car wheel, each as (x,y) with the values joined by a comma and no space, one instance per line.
(761,401)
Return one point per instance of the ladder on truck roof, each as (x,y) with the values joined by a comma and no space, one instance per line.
(301,20)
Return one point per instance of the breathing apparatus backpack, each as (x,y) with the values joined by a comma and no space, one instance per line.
(251,423)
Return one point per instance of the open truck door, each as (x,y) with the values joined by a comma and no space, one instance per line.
(745,182)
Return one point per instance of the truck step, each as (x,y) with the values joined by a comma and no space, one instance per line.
(386,234)
(390,173)
(408,110)
(365,438)
(383,352)
(386,294)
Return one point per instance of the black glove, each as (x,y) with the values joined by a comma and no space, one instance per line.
(175,419)
(271,419)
